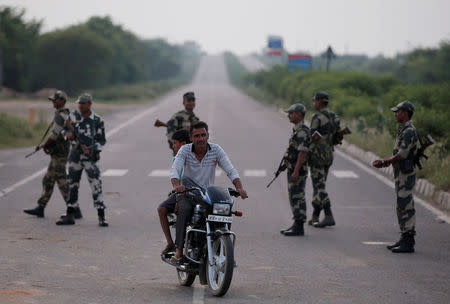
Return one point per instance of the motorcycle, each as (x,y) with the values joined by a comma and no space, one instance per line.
(209,245)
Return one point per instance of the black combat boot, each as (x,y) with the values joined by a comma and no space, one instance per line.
(315,216)
(38,211)
(328,220)
(390,247)
(282,231)
(295,230)
(76,213)
(101,218)
(406,245)
(67,219)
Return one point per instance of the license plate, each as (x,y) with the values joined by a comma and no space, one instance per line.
(220,218)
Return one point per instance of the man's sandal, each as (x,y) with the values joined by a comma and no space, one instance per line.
(176,261)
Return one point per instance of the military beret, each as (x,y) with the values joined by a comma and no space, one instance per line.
(84,98)
(58,95)
(321,96)
(297,107)
(189,96)
(404,105)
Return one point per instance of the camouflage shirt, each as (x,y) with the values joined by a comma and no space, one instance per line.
(180,120)
(84,131)
(299,141)
(406,145)
(327,124)
(60,146)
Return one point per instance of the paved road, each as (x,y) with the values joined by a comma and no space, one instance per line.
(43,263)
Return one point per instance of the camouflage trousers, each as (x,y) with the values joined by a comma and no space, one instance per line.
(319,176)
(76,166)
(297,195)
(406,213)
(56,173)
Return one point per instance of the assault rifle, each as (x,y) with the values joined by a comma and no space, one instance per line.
(280,169)
(87,150)
(421,151)
(38,147)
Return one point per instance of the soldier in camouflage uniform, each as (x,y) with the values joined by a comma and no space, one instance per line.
(405,150)
(58,148)
(86,130)
(297,172)
(325,125)
(182,119)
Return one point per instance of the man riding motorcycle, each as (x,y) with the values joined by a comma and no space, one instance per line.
(198,162)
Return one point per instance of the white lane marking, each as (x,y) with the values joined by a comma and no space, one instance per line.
(160,173)
(441,215)
(22,182)
(377,243)
(198,296)
(344,174)
(255,173)
(219,172)
(115,172)
(108,135)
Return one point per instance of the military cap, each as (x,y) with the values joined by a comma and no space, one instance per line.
(296,107)
(404,105)
(321,96)
(84,98)
(189,96)
(58,95)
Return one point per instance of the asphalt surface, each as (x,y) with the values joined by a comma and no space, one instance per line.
(44,263)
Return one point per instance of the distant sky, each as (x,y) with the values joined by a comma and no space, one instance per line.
(242,26)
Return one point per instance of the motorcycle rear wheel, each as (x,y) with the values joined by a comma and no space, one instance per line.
(220,274)
(184,278)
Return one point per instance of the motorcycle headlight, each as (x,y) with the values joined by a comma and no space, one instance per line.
(222,209)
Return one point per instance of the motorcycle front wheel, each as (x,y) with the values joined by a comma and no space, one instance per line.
(220,274)
(184,278)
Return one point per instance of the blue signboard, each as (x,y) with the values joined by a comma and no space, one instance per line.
(299,62)
(275,43)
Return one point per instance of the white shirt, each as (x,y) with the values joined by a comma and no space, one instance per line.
(204,172)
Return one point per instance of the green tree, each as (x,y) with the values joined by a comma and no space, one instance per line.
(18,40)
(72,59)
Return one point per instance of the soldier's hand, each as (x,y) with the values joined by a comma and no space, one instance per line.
(87,151)
(159,123)
(70,136)
(294,177)
(378,163)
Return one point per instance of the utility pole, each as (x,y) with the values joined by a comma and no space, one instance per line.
(330,55)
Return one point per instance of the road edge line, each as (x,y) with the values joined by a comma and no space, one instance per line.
(391,184)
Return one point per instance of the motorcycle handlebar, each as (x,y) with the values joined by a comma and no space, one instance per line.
(232,191)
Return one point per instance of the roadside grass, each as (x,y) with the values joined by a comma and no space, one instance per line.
(17,132)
